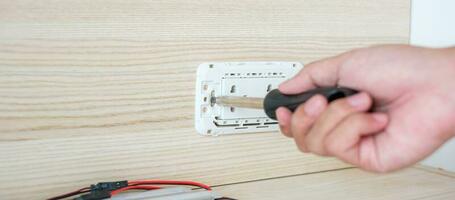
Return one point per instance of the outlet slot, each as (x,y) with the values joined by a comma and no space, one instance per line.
(269,87)
(252,124)
(225,125)
(233,89)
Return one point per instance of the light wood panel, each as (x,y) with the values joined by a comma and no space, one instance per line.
(103,90)
(349,184)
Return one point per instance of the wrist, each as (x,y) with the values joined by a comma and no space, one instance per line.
(448,85)
(449,62)
(451,57)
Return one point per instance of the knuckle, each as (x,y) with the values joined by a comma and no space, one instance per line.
(314,143)
(300,122)
(301,146)
(355,119)
(314,147)
(299,112)
(302,149)
(304,73)
(310,145)
(360,120)
(331,146)
(319,150)
(339,106)
(299,126)
(362,117)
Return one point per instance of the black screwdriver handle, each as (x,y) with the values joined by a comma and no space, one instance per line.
(276,99)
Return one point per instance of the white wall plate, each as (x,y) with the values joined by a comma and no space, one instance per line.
(249,79)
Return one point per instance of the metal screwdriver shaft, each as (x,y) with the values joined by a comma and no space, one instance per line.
(242,102)
(275,99)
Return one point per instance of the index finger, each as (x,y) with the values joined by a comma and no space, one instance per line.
(321,73)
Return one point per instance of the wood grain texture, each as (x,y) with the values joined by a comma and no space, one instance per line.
(438,171)
(348,184)
(103,90)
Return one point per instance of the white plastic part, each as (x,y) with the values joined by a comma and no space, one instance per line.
(248,79)
(151,193)
(191,195)
(170,193)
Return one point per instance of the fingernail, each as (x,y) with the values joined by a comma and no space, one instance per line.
(358,100)
(314,106)
(282,86)
(283,83)
(380,117)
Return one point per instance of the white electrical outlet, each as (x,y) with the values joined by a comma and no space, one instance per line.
(247,79)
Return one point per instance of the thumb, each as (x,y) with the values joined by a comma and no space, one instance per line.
(321,73)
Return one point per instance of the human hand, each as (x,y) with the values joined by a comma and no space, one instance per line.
(413,112)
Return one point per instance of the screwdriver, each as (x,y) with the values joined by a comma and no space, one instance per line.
(275,99)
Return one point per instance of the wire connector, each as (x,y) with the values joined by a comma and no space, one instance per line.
(109,186)
(103,190)
(95,195)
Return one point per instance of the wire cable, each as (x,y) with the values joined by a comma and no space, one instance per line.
(137,187)
(70,194)
(114,188)
(169,182)
(141,184)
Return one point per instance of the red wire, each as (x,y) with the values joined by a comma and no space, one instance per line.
(169,182)
(136,187)
(141,185)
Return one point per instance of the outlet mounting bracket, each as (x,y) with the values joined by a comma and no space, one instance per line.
(248,79)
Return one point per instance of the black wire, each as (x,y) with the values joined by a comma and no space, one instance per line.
(80,191)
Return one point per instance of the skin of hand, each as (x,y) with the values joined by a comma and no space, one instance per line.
(404,111)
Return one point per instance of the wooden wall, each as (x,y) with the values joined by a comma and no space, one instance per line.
(96,90)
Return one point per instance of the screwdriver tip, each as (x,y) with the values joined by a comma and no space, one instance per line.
(212,100)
